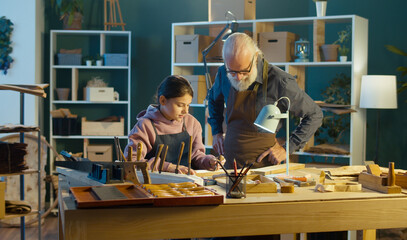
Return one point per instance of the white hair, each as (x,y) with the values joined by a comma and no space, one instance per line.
(239,42)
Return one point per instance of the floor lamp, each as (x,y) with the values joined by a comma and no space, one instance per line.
(378,92)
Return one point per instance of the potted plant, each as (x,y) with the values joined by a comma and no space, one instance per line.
(321,7)
(343,39)
(88,60)
(71,12)
(99,60)
(6,28)
(402,69)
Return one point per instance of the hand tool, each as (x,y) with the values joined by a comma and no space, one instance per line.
(157,155)
(139,150)
(300,183)
(181,150)
(163,159)
(116,146)
(129,153)
(189,155)
(285,186)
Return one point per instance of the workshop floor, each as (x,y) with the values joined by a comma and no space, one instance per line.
(49,231)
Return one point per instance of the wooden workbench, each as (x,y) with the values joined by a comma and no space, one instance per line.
(258,214)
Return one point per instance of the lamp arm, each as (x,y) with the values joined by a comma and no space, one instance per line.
(206,51)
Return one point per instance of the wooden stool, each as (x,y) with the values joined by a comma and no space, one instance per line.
(111,22)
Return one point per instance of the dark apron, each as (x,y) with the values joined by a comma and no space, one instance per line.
(243,142)
(174,142)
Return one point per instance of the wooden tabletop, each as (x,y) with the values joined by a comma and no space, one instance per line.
(258,214)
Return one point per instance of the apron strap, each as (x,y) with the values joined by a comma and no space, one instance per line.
(265,77)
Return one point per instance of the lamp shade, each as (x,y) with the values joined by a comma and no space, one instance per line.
(378,91)
(267,119)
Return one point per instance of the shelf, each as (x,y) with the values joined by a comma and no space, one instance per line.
(317,30)
(306,64)
(88,67)
(321,155)
(86,137)
(18,128)
(88,102)
(27,171)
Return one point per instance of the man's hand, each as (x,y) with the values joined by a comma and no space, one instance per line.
(218,143)
(276,154)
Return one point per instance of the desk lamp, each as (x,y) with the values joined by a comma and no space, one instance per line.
(226,31)
(378,92)
(268,120)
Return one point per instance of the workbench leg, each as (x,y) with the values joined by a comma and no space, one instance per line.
(369,234)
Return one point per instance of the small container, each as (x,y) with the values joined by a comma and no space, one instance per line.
(233,190)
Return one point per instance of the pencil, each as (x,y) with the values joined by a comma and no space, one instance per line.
(235,167)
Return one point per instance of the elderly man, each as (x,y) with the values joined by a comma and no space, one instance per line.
(245,83)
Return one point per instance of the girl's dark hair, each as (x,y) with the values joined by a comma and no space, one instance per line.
(174,86)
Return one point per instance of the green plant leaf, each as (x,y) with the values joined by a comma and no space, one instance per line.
(395,50)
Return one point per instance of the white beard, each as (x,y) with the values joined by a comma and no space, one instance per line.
(245,82)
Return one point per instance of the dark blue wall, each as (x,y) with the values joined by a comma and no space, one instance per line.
(150,24)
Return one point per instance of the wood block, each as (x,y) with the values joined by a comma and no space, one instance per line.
(285,187)
(373,169)
(277,168)
(339,187)
(401,180)
(377,183)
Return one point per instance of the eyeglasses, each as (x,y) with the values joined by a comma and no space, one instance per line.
(243,72)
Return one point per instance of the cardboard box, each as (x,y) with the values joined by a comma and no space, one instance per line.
(188,48)
(277,46)
(99,94)
(94,128)
(2,201)
(199,85)
(100,152)
(242,9)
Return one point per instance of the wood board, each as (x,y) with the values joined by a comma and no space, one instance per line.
(277,169)
(137,195)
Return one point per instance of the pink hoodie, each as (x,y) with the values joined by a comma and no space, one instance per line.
(143,132)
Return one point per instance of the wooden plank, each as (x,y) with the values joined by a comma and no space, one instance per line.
(266,185)
(281,168)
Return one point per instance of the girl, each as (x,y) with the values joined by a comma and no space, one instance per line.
(169,123)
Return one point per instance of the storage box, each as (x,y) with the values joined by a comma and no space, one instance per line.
(98,94)
(69,59)
(2,201)
(115,59)
(242,9)
(189,48)
(100,152)
(199,85)
(66,126)
(95,128)
(277,46)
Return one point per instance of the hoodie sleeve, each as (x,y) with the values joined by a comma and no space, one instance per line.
(199,159)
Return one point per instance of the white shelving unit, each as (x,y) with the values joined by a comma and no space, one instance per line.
(315,27)
(92,43)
